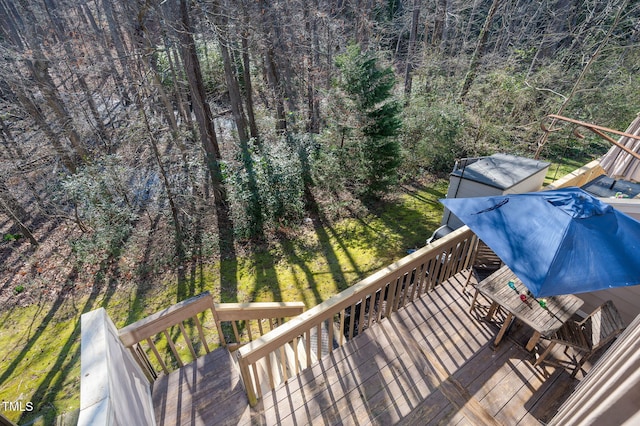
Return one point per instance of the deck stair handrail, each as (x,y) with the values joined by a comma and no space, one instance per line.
(244,320)
(354,309)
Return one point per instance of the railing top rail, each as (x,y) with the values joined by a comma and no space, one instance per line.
(318,313)
(156,323)
(159,321)
(257,310)
(578,177)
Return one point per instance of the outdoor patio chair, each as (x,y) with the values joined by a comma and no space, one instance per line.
(587,336)
(486,263)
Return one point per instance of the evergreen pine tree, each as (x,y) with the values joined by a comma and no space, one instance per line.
(369,86)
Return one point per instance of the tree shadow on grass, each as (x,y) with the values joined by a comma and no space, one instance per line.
(325,232)
(228,256)
(137,305)
(266,275)
(294,259)
(69,356)
(416,190)
(406,220)
(53,382)
(21,249)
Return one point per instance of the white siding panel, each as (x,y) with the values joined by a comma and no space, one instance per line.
(626,299)
(610,393)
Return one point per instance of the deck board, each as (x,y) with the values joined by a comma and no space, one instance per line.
(207,388)
(433,362)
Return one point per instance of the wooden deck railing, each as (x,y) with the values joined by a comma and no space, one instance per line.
(354,309)
(251,316)
(170,327)
(578,177)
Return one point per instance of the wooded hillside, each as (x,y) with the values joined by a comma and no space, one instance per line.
(227,120)
(139,137)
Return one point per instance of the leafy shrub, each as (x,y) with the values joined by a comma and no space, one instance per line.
(432,138)
(266,187)
(99,196)
(327,171)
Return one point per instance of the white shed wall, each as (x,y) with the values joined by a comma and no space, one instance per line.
(465,188)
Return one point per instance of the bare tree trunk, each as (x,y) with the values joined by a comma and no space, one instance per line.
(15,211)
(168,108)
(12,147)
(273,81)
(362,12)
(61,30)
(545,135)
(40,72)
(199,103)
(313,68)
(179,235)
(248,86)
(118,44)
(143,39)
(38,116)
(230,76)
(329,63)
(411,54)
(281,57)
(207,135)
(472,15)
(24,34)
(16,155)
(318,68)
(104,55)
(438,24)
(102,130)
(234,95)
(173,59)
(477,54)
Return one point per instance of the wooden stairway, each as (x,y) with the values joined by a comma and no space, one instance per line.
(185,395)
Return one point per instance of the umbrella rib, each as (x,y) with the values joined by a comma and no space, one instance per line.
(555,256)
(497,206)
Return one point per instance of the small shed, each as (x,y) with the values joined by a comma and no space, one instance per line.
(497,174)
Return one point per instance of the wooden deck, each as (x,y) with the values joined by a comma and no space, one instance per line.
(431,363)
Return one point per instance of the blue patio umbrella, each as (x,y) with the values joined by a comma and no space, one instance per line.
(563,241)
